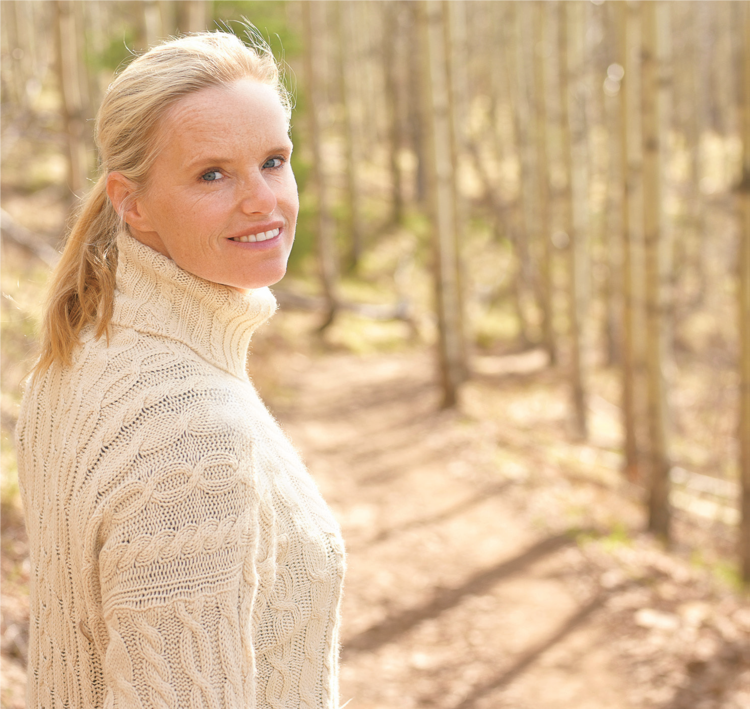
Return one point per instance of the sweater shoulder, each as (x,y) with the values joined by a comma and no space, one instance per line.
(133,396)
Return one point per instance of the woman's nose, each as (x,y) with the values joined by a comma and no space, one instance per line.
(259,197)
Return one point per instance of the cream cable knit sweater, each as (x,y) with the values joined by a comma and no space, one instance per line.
(181,555)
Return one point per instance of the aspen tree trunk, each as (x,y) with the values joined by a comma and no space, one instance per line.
(348,69)
(578,113)
(152,22)
(168,13)
(367,14)
(391,46)
(97,18)
(500,129)
(605,200)
(327,263)
(41,52)
(199,15)
(83,76)
(743,432)
(577,389)
(69,73)
(612,217)
(6,49)
(666,237)
(542,181)
(698,121)
(14,52)
(196,15)
(416,120)
(440,192)
(521,224)
(658,488)
(14,28)
(454,28)
(628,361)
(726,90)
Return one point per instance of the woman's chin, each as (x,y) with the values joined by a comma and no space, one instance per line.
(268,277)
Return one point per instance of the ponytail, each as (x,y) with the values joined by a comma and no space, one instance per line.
(82,285)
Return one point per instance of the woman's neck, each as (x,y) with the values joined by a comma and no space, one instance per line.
(156,296)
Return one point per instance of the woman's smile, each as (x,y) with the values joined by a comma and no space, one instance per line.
(258,237)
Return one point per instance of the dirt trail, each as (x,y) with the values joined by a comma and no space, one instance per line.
(456,595)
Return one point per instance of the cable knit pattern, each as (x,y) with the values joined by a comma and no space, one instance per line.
(182,557)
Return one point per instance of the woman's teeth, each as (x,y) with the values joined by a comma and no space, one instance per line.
(262,236)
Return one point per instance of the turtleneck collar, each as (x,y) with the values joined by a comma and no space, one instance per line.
(155,296)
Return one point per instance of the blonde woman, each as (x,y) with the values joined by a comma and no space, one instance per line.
(181,555)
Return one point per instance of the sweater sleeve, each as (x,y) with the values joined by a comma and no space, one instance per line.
(177,528)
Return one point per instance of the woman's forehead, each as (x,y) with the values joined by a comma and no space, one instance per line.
(244,109)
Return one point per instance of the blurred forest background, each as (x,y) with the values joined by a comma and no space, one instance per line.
(525,227)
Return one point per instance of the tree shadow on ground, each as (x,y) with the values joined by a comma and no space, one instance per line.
(454,511)
(443,600)
(527,658)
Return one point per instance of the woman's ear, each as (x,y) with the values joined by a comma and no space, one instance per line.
(122,194)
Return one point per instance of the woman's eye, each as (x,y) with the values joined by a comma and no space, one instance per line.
(211,176)
(273,162)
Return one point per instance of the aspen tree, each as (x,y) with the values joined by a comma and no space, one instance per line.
(14,28)
(6,90)
(501,129)
(700,122)
(627,359)
(69,79)
(454,27)
(612,216)
(659,513)
(542,180)
(416,119)
(726,89)
(316,115)
(196,15)
(440,190)
(579,109)
(743,291)
(152,22)
(604,170)
(42,51)
(348,69)
(515,42)
(572,219)
(168,12)
(373,125)
(391,55)
(666,236)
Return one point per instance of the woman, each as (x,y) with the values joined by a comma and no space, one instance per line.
(181,555)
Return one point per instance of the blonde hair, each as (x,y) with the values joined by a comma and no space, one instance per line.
(81,291)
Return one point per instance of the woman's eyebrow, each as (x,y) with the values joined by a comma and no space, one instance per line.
(206,159)
(218,159)
(284,148)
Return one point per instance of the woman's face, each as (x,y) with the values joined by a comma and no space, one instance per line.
(221,199)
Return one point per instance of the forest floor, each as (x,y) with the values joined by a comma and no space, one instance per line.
(493,563)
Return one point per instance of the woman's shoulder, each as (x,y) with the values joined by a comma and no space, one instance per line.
(126,405)
(132,380)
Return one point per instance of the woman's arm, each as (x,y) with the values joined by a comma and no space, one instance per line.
(178,534)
